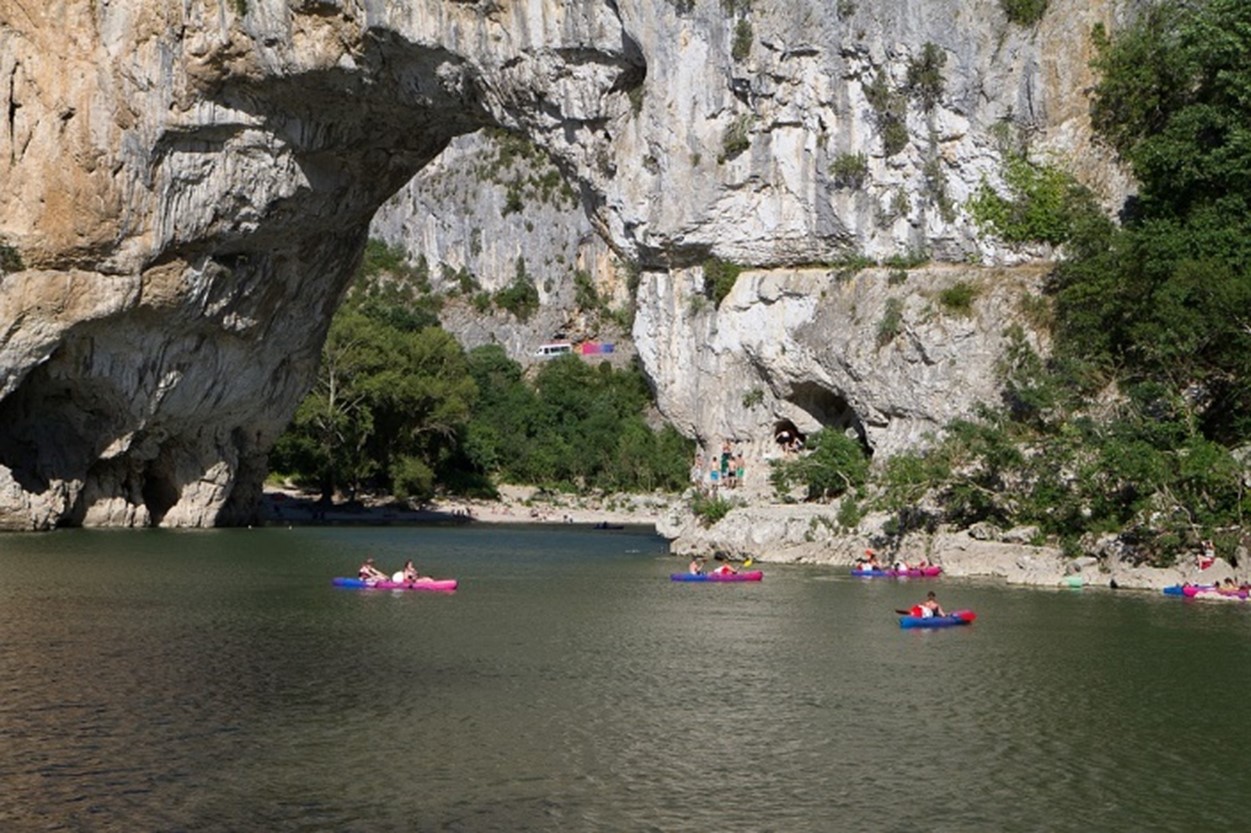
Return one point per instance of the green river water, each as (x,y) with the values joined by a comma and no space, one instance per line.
(215,681)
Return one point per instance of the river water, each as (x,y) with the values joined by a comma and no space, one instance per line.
(215,681)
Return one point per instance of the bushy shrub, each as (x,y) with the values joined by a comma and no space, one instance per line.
(1044,204)
(925,75)
(709,510)
(1024,12)
(832,465)
(719,278)
(849,170)
(958,298)
(743,37)
(891,323)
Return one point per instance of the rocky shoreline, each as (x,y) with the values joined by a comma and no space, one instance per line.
(807,534)
(779,534)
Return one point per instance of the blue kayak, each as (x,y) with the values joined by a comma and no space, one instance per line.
(956,617)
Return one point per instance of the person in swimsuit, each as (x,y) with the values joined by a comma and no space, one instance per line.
(369,572)
(930,607)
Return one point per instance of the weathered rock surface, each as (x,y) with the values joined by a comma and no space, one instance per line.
(188,186)
(810,534)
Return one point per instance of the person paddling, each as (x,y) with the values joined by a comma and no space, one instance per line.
(369,572)
(410,572)
(697,566)
(929,608)
(725,568)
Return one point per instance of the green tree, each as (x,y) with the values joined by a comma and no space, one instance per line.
(1167,296)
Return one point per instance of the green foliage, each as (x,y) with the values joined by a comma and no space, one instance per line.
(709,510)
(849,170)
(719,278)
(521,297)
(925,75)
(911,259)
(240,7)
(585,295)
(936,188)
(737,137)
(743,37)
(1024,12)
(890,112)
(412,479)
(891,323)
(1045,204)
(752,398)
(832,465)
(958,298)
(849,513)
(575,424)
(10,259)
(382,393)
(1164,298)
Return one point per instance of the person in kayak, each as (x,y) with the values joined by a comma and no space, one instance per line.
(725,568)
(410,572)
(868,561)
(929,608)
(697,566)
(369,572)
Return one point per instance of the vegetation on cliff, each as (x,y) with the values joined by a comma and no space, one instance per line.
(1139,422)
(399,406)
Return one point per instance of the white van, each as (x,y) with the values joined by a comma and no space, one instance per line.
(547,351)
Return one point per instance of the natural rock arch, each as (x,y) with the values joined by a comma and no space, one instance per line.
(189,191)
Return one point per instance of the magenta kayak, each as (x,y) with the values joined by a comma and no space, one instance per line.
(421,584)
(915,572)
(751,575)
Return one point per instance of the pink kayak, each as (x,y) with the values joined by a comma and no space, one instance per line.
(421,584)
(751,575)
(915,572)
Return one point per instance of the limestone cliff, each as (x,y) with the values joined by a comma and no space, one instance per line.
(188,184)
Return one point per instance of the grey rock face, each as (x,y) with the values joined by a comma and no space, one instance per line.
(188,188)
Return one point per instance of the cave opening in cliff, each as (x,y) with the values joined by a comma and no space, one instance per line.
(788,435)
(829,409)
(159,492)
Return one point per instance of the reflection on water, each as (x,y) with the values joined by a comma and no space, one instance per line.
(215,681)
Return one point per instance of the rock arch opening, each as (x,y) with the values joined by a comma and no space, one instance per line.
(830,410)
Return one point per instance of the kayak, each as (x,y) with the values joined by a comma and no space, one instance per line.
(751,575)
(1209,591)
(956,617)
(1220,595)
(1175,590)
(431,584)
(915,572)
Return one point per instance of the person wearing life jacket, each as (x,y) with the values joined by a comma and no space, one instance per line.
(868,561)
(725,568)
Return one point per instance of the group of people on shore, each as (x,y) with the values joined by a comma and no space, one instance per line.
(369,572)
(726,470)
